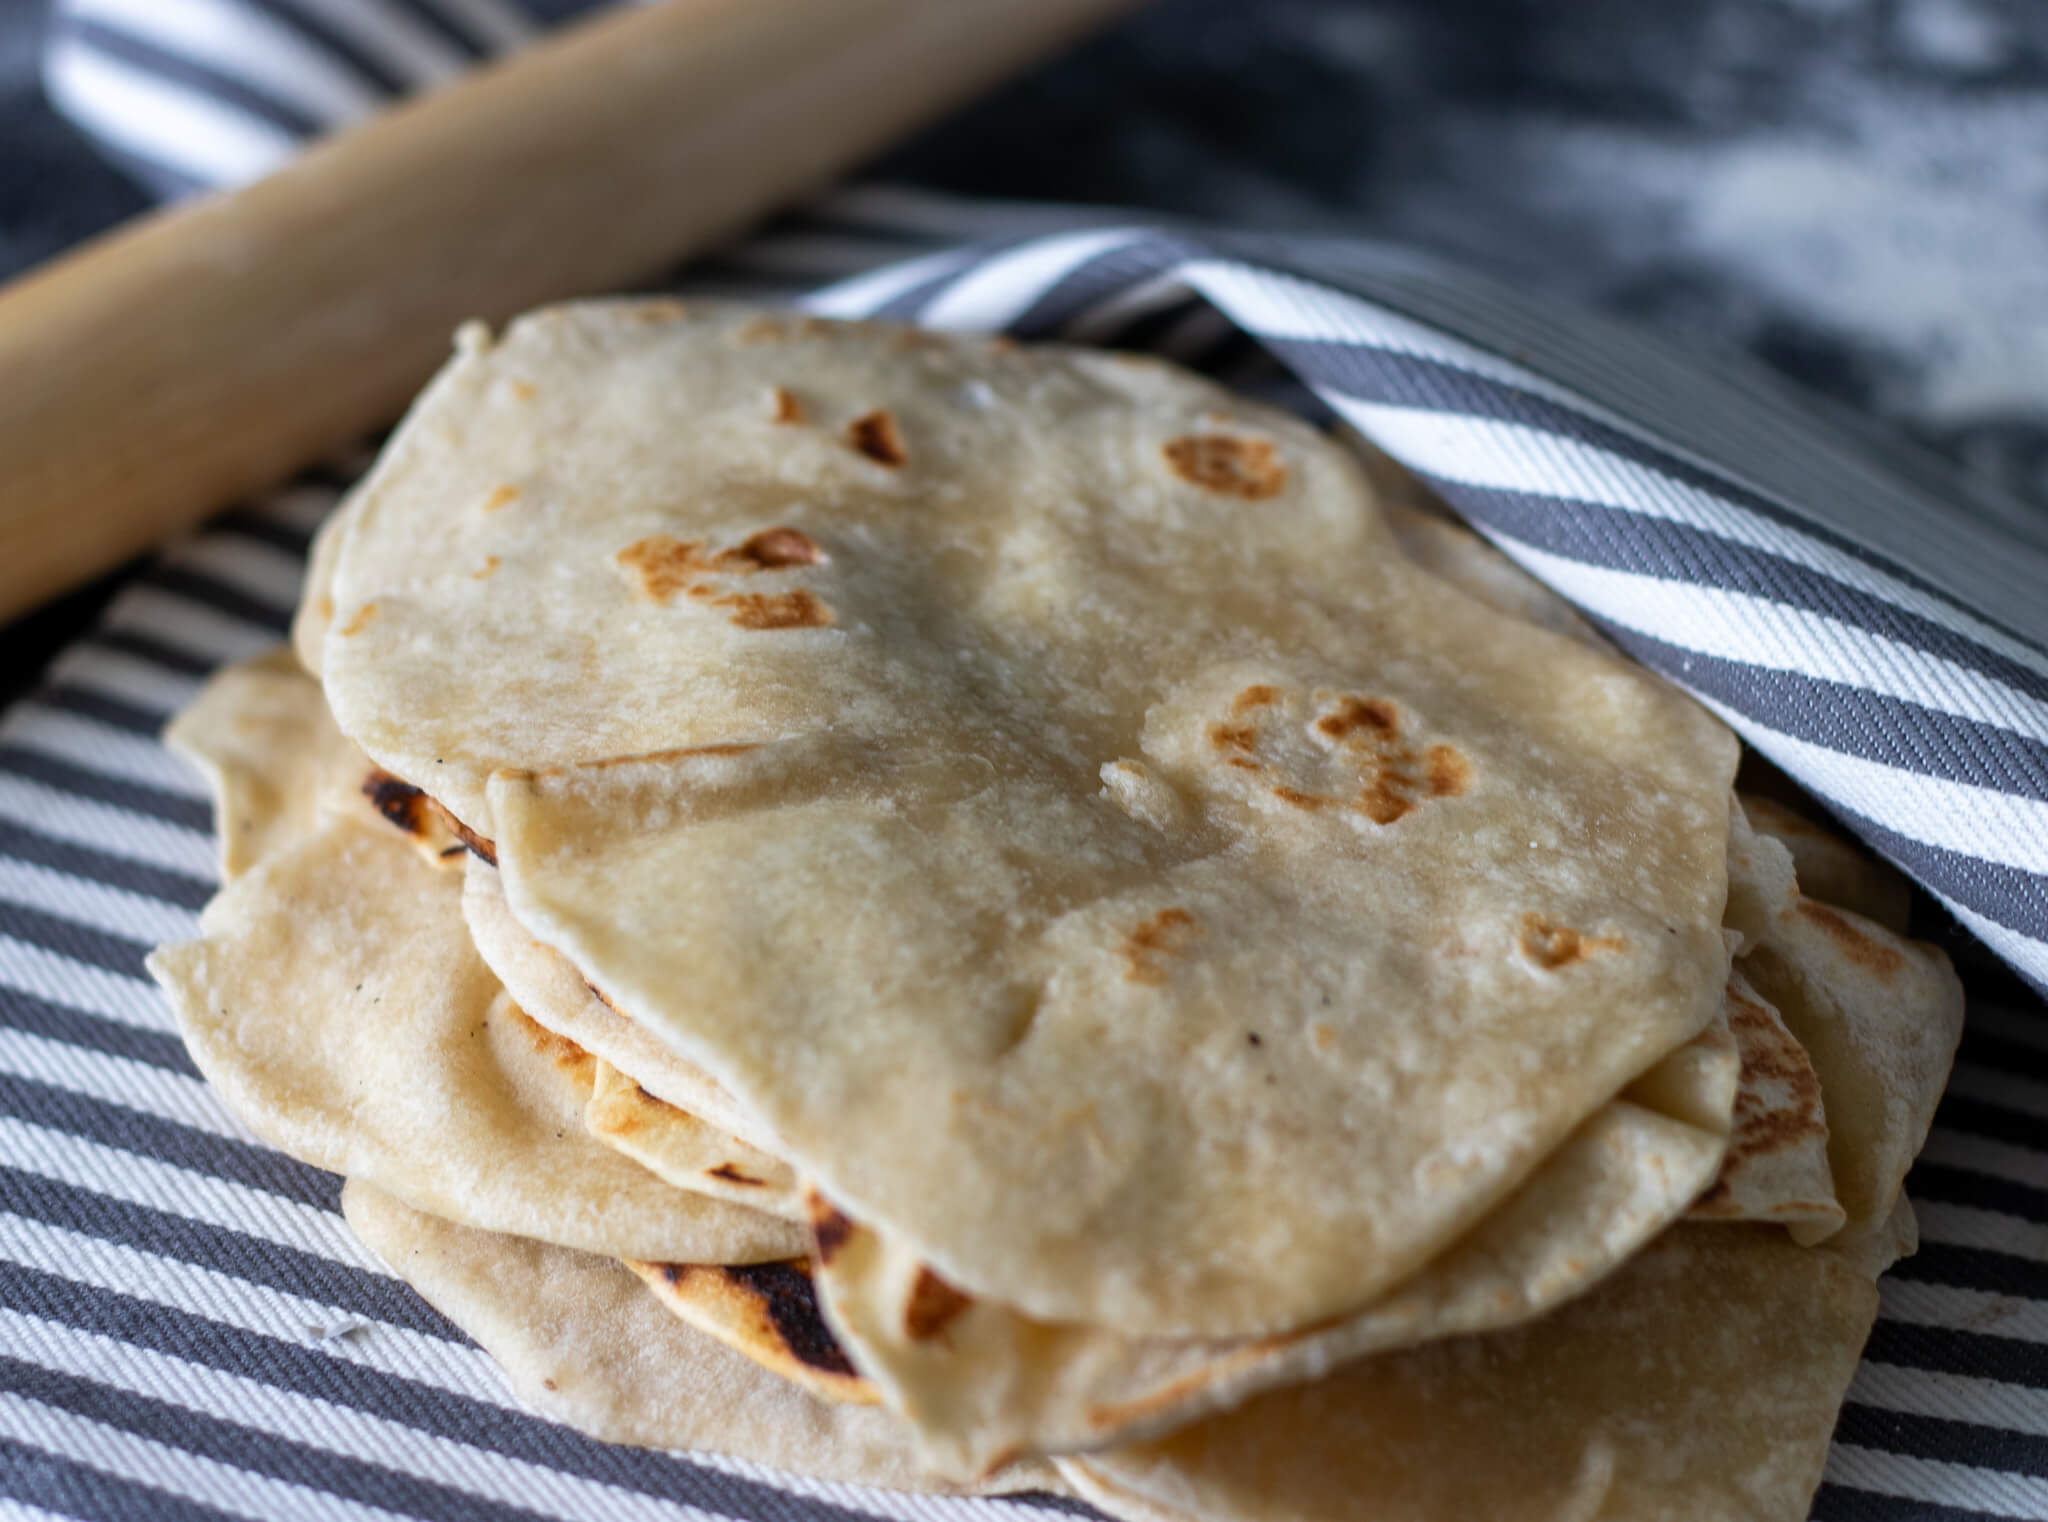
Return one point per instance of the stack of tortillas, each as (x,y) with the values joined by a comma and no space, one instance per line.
(951,915)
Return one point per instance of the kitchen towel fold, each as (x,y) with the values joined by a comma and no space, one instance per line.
(1875,626)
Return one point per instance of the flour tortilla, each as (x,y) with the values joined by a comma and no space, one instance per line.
(766,1311)
(555,994)
(1880,1017)
(1776,1167)
(981,1384)
(1832,870)
(261,734)
(1699,1384)
(677,1146)
(334,1003)
(582,1342)
(983,926)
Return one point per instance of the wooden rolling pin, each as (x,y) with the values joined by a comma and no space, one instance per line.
(209,350)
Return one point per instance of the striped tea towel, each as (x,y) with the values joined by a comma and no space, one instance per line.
(188,1330)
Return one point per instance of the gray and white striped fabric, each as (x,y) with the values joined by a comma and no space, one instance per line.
(189,1332)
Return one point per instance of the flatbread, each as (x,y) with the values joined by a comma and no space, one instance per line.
(1880,1017)
(768,1312)
(335,1003)
(982,1384)
(260,732)
(555,994)
(582,1342)
(689,1153)
(1699,1384)
(1055,767)
(1776,1167)
(1832,870)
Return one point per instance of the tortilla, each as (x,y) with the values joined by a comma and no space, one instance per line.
(1880,1016)
(677,1146)
(1699,1384)
(766,1311)
(335,1005)
(1832,870)
(982,1384)
(555,994)
(1021,771)
(582,1342)
(260,732)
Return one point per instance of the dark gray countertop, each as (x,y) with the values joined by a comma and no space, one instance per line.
(1856,191)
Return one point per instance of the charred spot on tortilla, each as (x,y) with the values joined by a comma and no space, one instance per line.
(875,435)
(398,801)
(932,1304)
(1227,464)
(1552,946)
(1865,951)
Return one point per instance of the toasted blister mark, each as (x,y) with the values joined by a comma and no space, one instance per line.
(876,435)
(777,610)
(399,801)
(359,620)
(734,1175)
(487,570)
(1552,946)
(772,549)
(1164,935)
(1867,952)
(768,1311)
(783,407)
(660,565)
(1229,464)
(933,1303)
(560,1050)
(1359,759)
(524,391)
(500,496)
(759,329)
(829,1227)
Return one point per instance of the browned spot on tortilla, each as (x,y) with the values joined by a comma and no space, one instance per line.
(399,801)
(1373,716)
(1298,799)
(560,1050)
(1381,801)
(325,608)
(525,391)
(1449,773)
(829,1228)
(1322,1035)
(477,844)
(781,1302)
(359,620)
(1233,736)
(1860,947)
(1225,463)
(781,610)
(933,1303)
(501,496)
(1164,934)
(702,591)
(773,549)
(660,565)
(1256,696)
(487,570)
(733,1175)
(1242,764)
(549,1384)
(759,330)
(661,311)
(875,435)
(1551,946)
(783,407)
